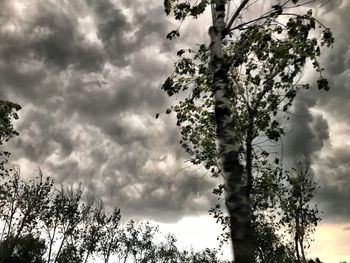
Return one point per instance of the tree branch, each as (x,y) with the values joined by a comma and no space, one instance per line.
(234,16)
(213,13)
(247,23)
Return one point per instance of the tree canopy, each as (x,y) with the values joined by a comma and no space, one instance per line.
(233,94)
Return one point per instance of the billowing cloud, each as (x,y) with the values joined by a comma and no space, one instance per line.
(334,173)
(332,163)
(306,132)
(87,74)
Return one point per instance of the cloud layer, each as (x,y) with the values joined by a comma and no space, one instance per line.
(87,74)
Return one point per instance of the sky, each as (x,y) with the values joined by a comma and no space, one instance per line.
(87,74)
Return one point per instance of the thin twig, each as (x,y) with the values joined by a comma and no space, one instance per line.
(299,5)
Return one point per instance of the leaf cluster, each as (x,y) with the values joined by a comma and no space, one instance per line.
(182,9)
(266,61)
(8,113)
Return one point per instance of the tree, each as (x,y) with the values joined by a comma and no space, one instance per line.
(69,254)
(297,214)
(44,224)
(63,220)
(99,231)
(109,241)
(270,247)
(26,249)
(248,74)
(22,205)
(137,241)
(268,189)
(93,217)
(167,250)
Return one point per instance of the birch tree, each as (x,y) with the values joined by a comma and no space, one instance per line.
(249,72)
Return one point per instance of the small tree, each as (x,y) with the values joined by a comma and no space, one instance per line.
(137,241)
(297,213)
(109,241)
(69,254)
(69,216)
(23,202)
(167,251)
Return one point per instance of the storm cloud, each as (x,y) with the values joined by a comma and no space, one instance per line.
(87,74)
(319,126)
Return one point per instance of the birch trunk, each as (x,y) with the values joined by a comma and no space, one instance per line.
(236,194)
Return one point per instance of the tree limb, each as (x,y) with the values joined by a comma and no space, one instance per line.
(234,16)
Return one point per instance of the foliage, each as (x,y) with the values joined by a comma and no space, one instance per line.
(137,242)
(74,230)
(270,246)
(298,215)
(266,61)
(7,114)
(27,249)
(69,254)
(181,10)
(263,61)
(59,216)
(21,205)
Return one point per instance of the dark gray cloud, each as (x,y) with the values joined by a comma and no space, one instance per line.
(323,6)
(42,135)
(60,44)
(87,74)
(334,194)
(306,133)
(324,133)
(50,36)
(112,26)
(332,166)
(319,122)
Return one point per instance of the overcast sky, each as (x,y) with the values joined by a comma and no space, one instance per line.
(87,74)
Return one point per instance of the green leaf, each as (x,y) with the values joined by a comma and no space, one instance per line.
(172,34)
(327,38)
(180,52)
(323,84)
(198,9)
(168,6)
(168,86)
